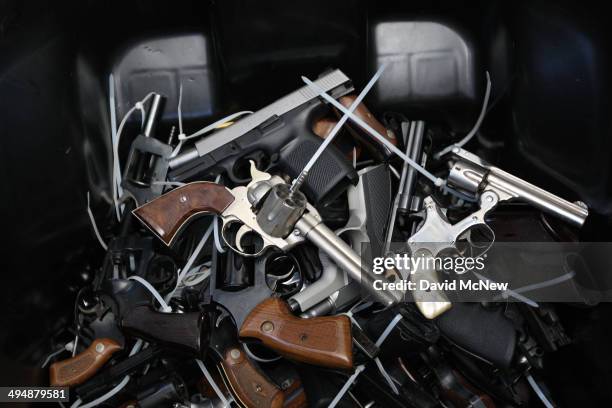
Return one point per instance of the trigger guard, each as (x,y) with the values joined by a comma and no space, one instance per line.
(242,231)
(226,223)
(237,247)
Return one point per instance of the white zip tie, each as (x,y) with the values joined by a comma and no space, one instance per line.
(95,226)
(196,278)
(387,331)
(137,346)
(113,391)
(360,368)
(472,133)
(330,137)
(361,306)
(76,343)
(140,106)
(378,343)
(216,227)
(154,292)
(395,173)
(191,260)
(226,402)
(545,284)
(179,110)
(67,347)
(349,314)
(346,386)
(115,182)
(356,308)
(386,376)
(196,275)
(256,358)
(539,392)
(436,180)
(510,292)
(117,177)
(220,248)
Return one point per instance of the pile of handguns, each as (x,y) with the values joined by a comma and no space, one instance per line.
(239,270)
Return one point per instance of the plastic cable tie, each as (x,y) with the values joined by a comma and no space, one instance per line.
(346,386)
(388,329)
(95,226)
(213,384)
(256,358)
(386,375)
(476,127)
(539,392)
(191,260)
(154,292)
(216,227)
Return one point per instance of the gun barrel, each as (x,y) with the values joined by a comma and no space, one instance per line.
(571,212)
(473,174)
(344,256)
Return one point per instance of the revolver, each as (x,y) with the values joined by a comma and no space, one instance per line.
(262,215)
(471,174)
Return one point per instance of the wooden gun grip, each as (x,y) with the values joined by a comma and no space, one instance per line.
(248,384)
(168,213)
(322,341)
(83,366)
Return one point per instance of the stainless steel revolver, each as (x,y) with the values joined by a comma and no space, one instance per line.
(263,215)
(492,185)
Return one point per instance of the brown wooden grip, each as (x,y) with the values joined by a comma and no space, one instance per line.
(323,341)
(251,387)
(83,366)
(168,213)
(364,114)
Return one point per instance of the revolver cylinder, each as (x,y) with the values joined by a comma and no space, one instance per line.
(281,210)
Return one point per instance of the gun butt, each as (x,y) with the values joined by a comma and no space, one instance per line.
(83,366)
(323,341)
(251,387)
(186,331)
(165,215)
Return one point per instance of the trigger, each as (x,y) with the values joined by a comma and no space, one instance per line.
(242,231)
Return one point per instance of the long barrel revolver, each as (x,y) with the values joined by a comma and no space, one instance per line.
(262,215)
(470,174)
